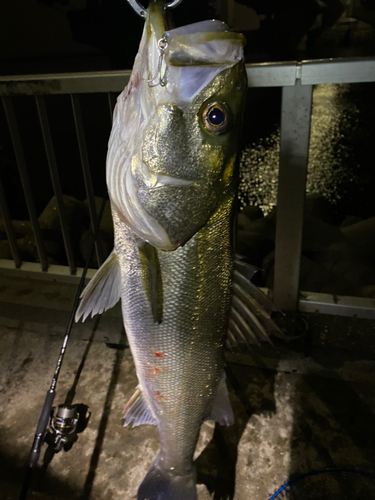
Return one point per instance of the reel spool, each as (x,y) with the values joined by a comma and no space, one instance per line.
(63,424)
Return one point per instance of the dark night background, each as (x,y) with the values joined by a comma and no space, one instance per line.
(39,36)
(48,36)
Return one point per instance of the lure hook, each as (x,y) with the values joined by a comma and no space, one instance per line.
(141,11)
(161,76)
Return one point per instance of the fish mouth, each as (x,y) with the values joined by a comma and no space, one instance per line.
(156,17)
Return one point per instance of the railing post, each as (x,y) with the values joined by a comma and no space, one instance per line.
(21,163)
(80,131)
(48,144)
(9,227)
(294,153)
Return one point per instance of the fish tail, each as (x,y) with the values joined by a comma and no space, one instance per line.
(160,484)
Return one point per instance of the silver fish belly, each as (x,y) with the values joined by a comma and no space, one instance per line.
(180,361)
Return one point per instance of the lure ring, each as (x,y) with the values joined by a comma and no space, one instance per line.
(141,11)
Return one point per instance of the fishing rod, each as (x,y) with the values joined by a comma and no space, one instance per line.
(63,421)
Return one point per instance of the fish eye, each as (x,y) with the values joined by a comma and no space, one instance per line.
(216,118)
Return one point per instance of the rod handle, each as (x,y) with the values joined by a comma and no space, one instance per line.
(41,428)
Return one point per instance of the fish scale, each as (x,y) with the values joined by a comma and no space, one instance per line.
(196,300)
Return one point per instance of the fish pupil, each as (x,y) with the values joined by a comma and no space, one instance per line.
(216,116)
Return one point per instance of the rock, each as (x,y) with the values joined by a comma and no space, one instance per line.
(252,212)
(5,251)
(351,219)
(368,291)
(21,228)
(246,245)
(106,225)
(106,235)
(75,214)
(54,248)
(317,235)
(257,241)
(85,244)
(320,208)
(362,236)
(243,223)
(27,247)
(314,278)
(345,260)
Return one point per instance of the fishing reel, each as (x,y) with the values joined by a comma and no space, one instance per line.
(63,425)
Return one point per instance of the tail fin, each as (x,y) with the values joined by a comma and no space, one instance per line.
(160,484)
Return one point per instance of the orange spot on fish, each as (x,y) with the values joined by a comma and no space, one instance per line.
(160,397)
(156,370)
(159,354)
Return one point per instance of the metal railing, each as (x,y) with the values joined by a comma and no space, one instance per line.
(295,78)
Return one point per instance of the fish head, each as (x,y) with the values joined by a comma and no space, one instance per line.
(173,147)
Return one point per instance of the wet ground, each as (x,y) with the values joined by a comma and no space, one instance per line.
(306,404)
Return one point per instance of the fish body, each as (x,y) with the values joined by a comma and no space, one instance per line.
(172,179)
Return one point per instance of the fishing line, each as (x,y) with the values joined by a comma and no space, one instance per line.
(288,491)
(40,433)
(141,11)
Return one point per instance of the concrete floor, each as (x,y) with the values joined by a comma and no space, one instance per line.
(307,404)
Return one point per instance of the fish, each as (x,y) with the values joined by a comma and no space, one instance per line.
(172,176)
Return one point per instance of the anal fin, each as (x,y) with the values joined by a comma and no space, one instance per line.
(222,412)
(137,411)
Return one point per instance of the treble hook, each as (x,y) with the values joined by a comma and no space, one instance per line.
(141,11)
(159,78)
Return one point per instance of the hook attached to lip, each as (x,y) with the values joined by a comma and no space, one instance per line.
(141,11)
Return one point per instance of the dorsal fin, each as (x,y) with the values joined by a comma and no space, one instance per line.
(250,321)
(103,290)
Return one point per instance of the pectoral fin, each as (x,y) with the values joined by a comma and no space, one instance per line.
(151,279)
(103,290)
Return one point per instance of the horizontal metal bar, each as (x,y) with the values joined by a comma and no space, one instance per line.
(337,304)
(310,302)
(337,71)
(61,274)
(64,83)
(274,74)
(271,74)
